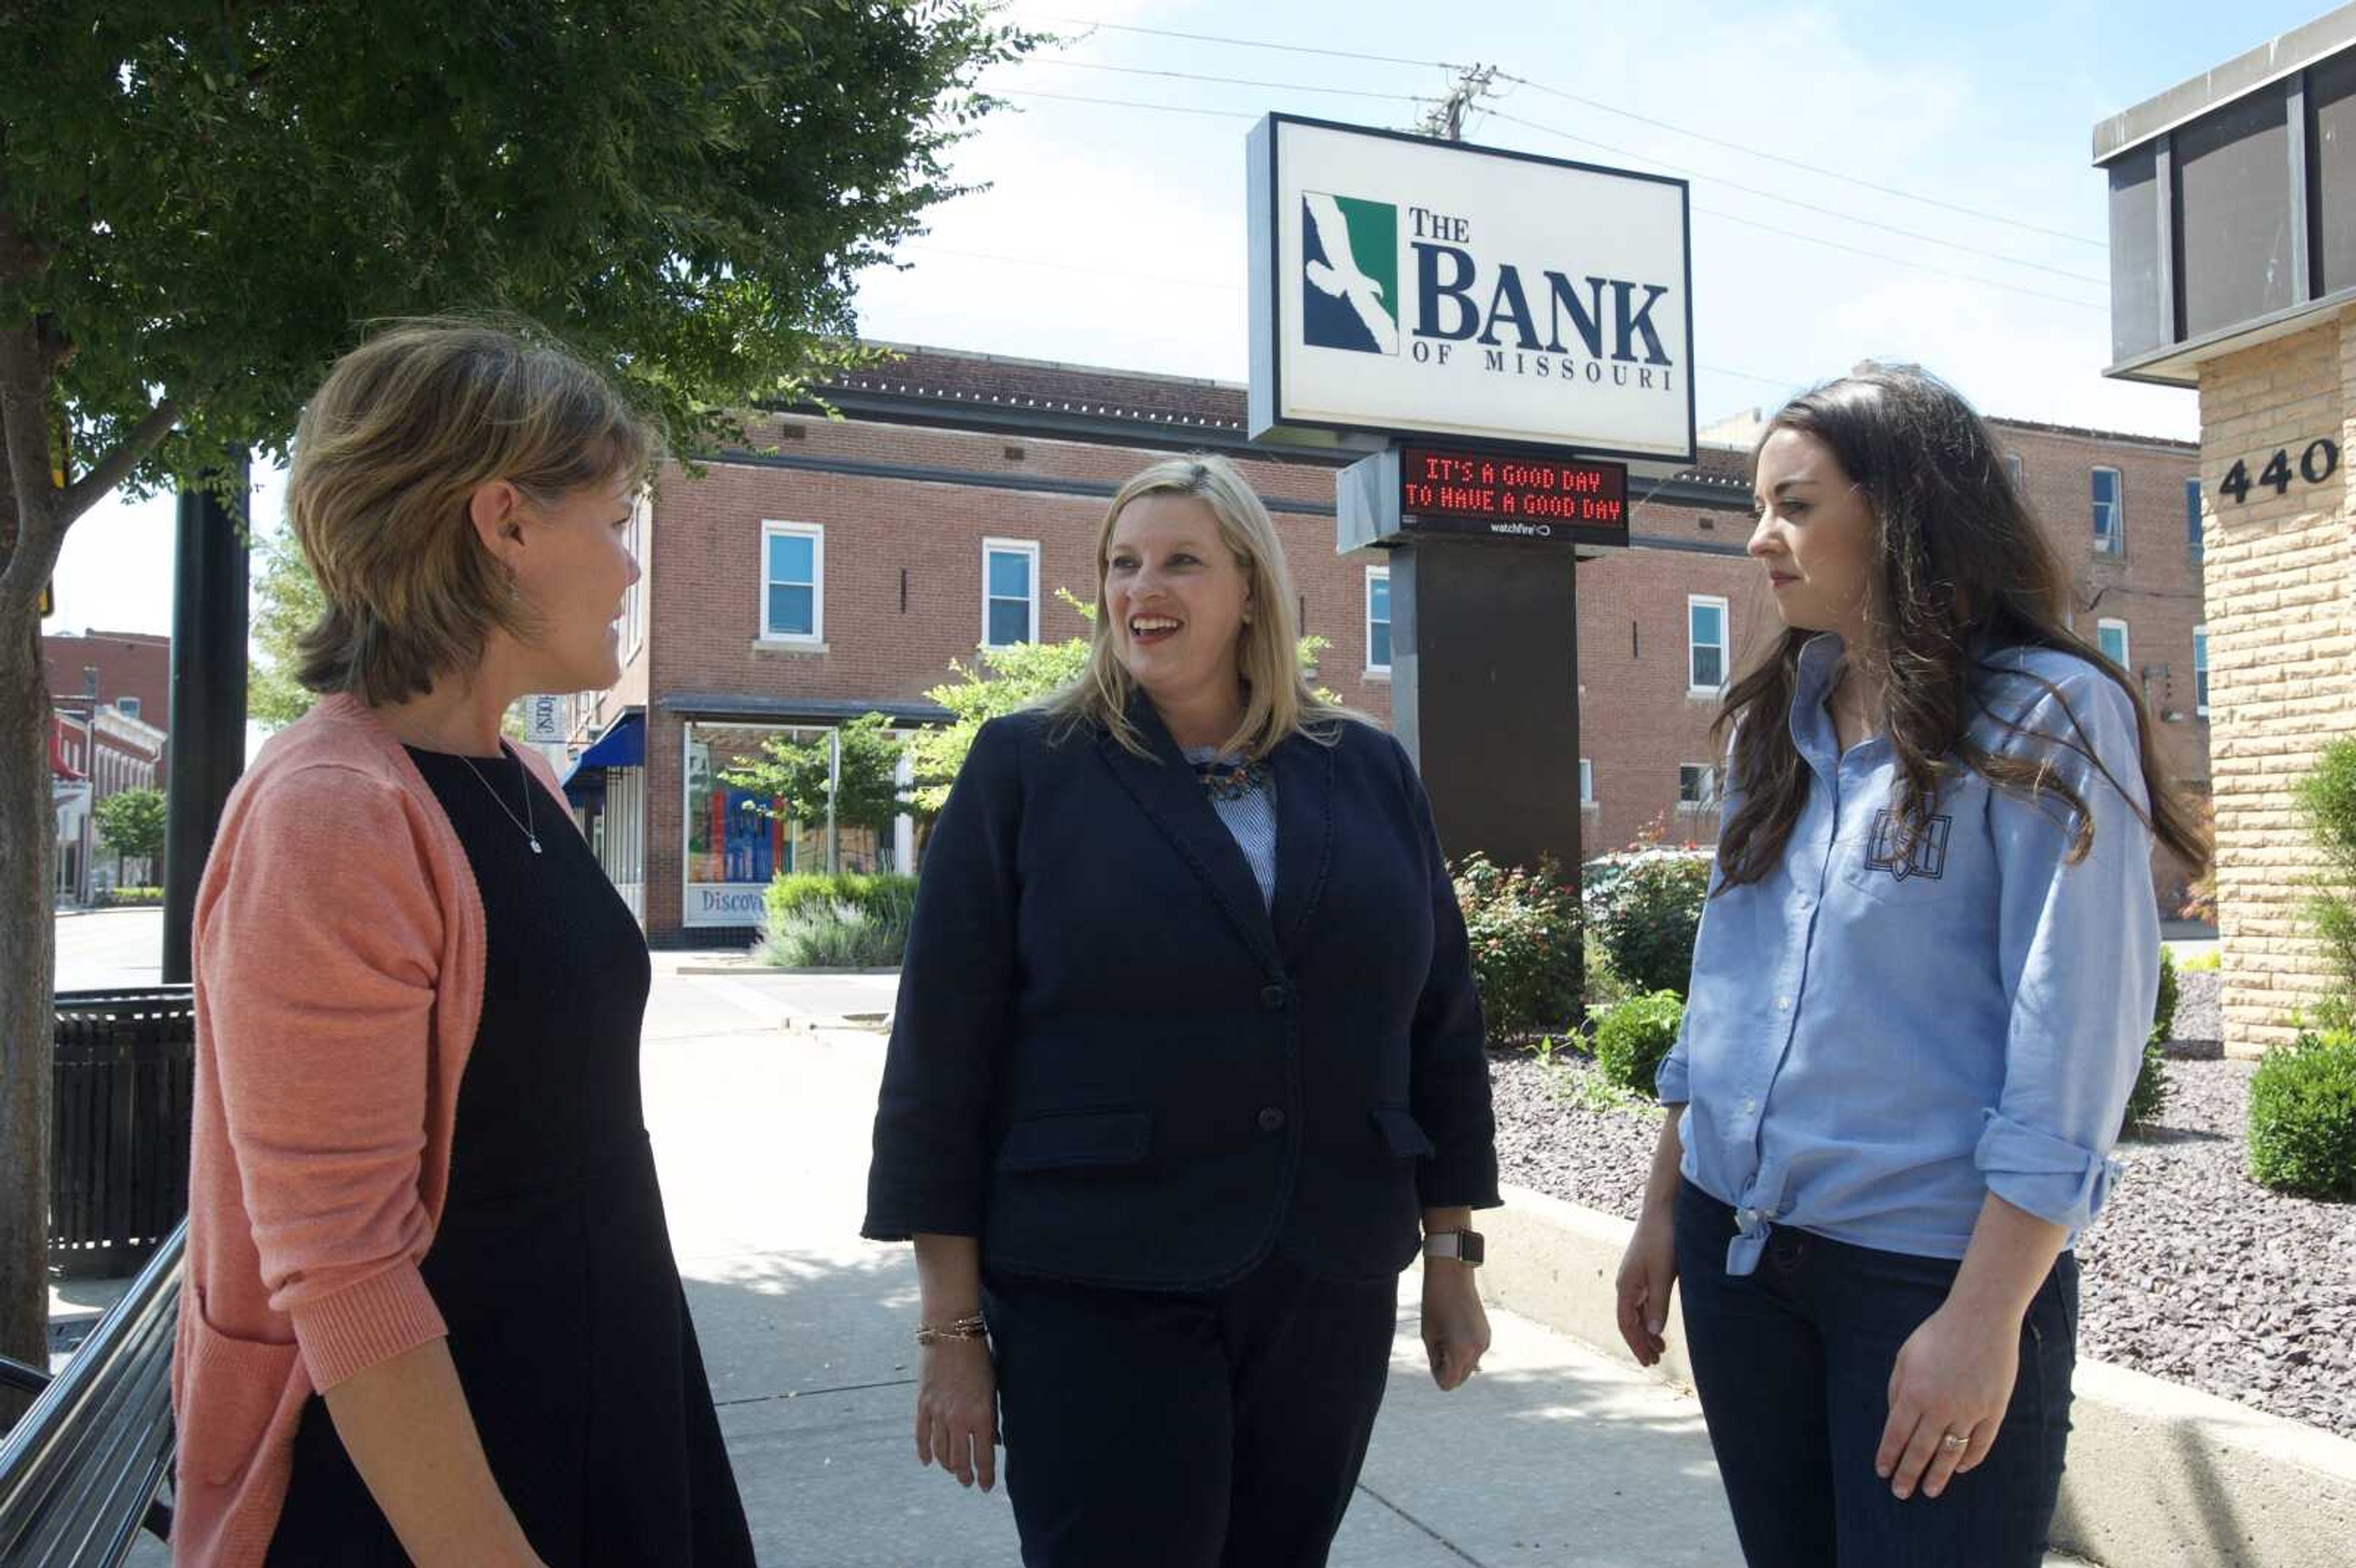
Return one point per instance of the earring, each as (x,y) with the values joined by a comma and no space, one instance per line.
(515,589)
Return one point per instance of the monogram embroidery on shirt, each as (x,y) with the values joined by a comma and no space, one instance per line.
(1929,855)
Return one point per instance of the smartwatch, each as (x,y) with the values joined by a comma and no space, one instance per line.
(1464,1246)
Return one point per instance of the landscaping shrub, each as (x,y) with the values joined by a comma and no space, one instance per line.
(1644,912)
(2150,1094)
(1524,928)
(1635,1036)
(2327,798)
(2302,1135)
(846,921)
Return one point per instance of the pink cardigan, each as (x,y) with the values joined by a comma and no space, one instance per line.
(338,953)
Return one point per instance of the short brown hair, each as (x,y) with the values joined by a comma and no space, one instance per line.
(390,452)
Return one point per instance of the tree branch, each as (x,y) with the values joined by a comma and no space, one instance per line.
(109,470)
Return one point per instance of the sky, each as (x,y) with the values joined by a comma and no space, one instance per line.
(1883,179)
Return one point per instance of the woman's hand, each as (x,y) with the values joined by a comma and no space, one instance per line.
(1455,1325)
(957,1410)
(1954,1374)
(1647,1269)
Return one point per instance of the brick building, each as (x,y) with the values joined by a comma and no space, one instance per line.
(2232,203)
(843,564)
(130,672)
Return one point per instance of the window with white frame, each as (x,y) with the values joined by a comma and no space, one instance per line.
(634,598)
(2111,636)
(2110,512)
(127,705)
(2012,468)
(1586,781)
(2201,671)
(2192,518)
(1704,644)
(1697,786)
(1010,592)
(793,582)
(1379,619)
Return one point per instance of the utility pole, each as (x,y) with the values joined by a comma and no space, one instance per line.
(1446,118)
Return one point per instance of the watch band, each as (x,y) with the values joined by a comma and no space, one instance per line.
(1464,1246)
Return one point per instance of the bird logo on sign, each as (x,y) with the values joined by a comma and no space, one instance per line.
(1349,269)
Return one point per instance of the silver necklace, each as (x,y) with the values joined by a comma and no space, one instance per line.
(523,822)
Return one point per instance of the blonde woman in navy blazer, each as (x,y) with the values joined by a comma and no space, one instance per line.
(1187,1060)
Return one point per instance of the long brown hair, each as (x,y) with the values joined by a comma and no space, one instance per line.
(1963,572)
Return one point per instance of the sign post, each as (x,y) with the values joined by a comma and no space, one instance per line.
(1517,332)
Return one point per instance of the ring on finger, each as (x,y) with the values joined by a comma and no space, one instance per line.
(1953,1442)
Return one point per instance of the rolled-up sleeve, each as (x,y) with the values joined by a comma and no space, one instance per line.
(1449,1074)
(323,1045)
(930,1168)
(2079,947)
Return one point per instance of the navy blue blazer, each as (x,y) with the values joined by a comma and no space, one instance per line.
(1113,1063)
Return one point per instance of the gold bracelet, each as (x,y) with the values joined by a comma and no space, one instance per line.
(973,1327)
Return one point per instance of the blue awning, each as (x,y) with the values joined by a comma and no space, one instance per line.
(622,746)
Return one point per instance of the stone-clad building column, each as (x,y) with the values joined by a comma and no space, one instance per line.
(2281,585)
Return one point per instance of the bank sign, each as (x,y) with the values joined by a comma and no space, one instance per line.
(1405,286)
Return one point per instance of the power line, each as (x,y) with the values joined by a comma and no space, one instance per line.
(1811,168)
(1451,66)
(1234,80)
(1470,103)
(1247,43)
(1902,261)
(1803,205)
(1123,103)
(1707,211)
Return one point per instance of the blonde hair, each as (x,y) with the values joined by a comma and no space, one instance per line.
(387,458)
(1278,701)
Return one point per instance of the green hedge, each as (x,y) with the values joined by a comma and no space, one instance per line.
(847,921)
(1635,1037)
(2302,1135)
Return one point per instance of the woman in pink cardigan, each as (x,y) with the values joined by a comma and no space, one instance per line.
(431,1312)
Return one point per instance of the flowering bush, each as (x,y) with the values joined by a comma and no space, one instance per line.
(1524,934)
(1644,908)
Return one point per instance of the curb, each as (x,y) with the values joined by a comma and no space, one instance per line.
(2160,1475)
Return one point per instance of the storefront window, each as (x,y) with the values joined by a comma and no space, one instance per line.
(736,841)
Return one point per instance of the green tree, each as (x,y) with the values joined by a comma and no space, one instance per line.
(131,822)
(1006,680)
(798,772)
(201,206)
(287,604)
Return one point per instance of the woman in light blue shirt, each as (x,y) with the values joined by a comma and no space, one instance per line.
(1919,994)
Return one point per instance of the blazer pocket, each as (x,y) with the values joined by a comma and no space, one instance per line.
(1066,1138)
(1400,1131)
(237,1385)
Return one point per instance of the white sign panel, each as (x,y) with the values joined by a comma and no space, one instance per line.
(543,720)
(1404,285)
(725,903)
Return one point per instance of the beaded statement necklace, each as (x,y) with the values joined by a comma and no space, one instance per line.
(1224,779)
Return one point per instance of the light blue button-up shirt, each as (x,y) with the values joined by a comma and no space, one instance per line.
(1871,1044)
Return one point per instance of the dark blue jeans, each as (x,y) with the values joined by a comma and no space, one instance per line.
(1793,1363)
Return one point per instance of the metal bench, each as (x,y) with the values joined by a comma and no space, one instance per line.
(79,1470)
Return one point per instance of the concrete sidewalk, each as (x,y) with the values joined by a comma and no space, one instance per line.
(1554,1456)
(1551,1456)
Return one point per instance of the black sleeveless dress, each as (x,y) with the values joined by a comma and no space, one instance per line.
(552,1265)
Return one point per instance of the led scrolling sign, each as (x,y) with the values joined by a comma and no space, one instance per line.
(1512,495)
